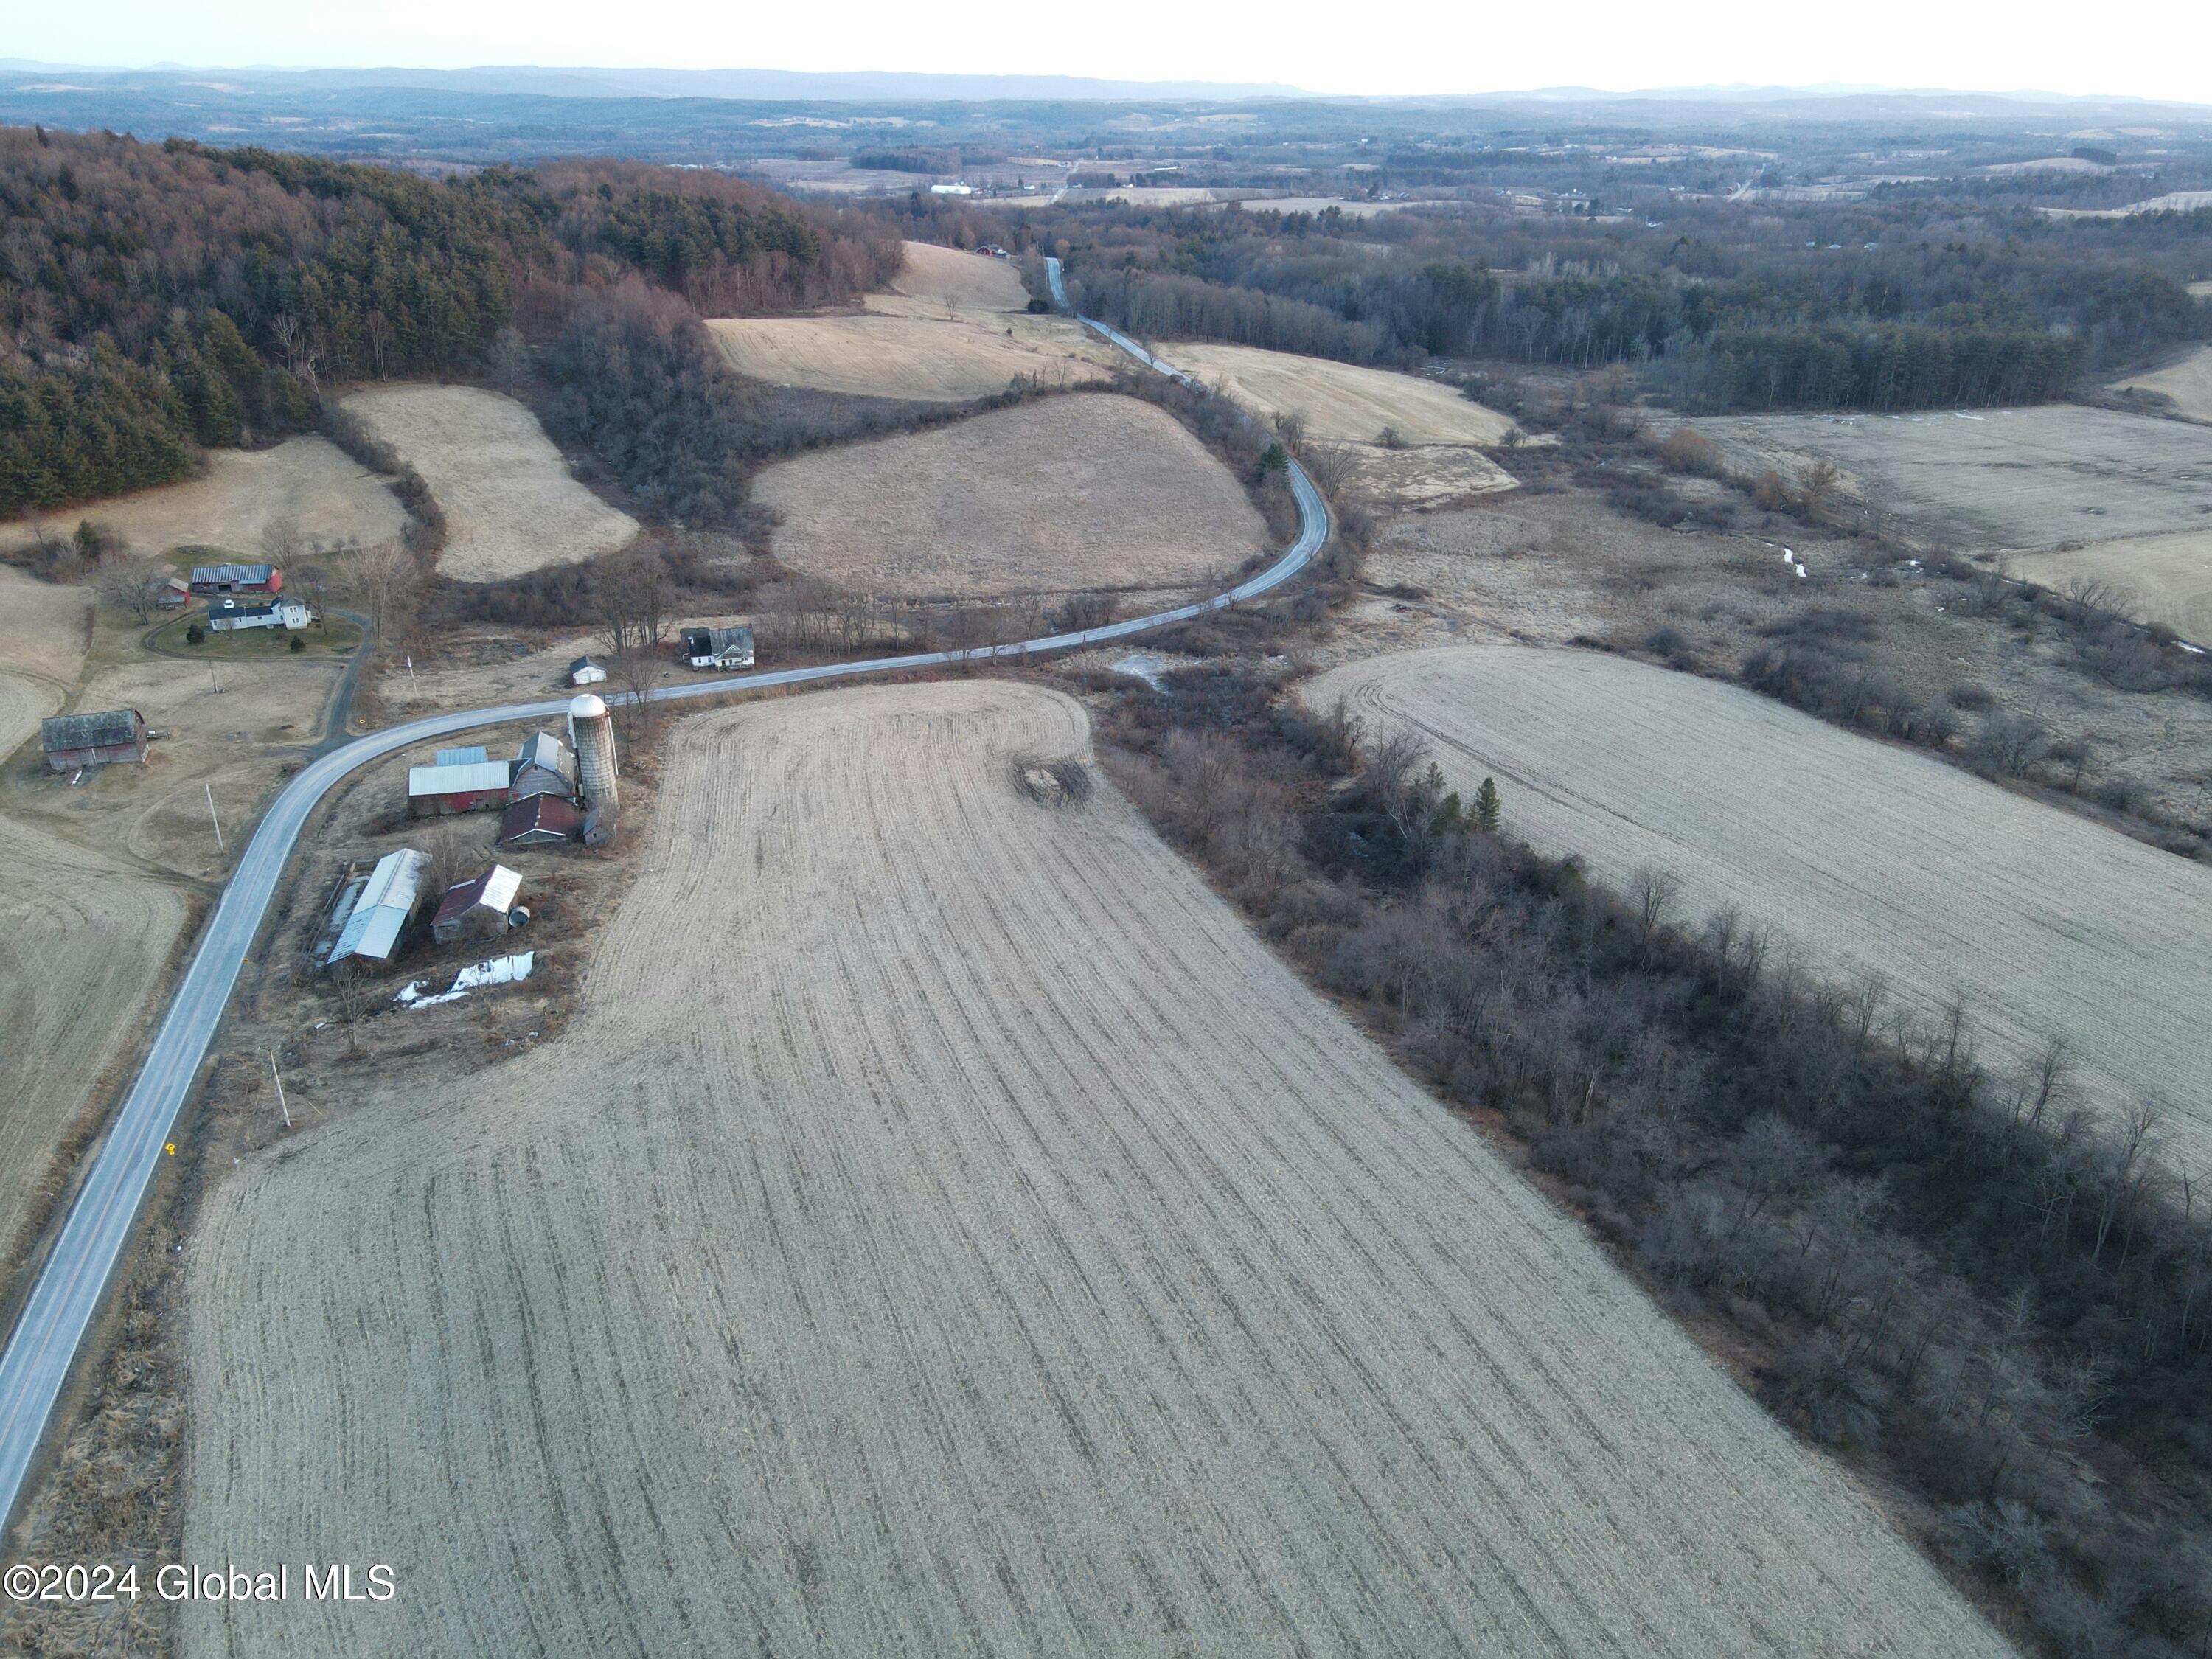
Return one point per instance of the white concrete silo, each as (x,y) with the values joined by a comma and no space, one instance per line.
(592,735)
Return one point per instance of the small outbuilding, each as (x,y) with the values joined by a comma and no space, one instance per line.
(481,908)
(379,911)
(718,647)
(229,617)
(173,594)
(541,821)
(544,766)
(213,580)
(436,791)
(75,741)
(586,671)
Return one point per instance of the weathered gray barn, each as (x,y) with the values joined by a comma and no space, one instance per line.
(72,741)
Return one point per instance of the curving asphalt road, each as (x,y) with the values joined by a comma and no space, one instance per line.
(40,1351)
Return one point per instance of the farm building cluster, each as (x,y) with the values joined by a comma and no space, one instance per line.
(555,790)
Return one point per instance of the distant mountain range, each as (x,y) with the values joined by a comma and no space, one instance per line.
(764,85)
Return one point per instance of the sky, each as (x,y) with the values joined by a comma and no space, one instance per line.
(1400,47)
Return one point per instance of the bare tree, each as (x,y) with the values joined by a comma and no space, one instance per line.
(136,585)
(1817,487)
(379,340)
(301,354)
(457,853)
(383,577)
(639,671)
(1652,893)
(350,981)
(283,541)
(508,356)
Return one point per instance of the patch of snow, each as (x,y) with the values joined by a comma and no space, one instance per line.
(1145,665)
(500,970)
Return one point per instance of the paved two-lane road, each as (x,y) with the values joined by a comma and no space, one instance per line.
(36,1363)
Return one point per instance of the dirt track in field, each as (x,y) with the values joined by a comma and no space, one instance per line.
(1863,856)
(1084,491)
(511,504)
(1987,480)
(945,1230)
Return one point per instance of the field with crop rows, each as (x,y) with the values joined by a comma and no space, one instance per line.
(1865,856)
(945,1230)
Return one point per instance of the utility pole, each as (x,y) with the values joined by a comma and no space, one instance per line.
(212,818)
(282,1105)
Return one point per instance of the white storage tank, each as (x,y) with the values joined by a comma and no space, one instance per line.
(592,735)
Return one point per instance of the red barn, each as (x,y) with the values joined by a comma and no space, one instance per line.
(435,791)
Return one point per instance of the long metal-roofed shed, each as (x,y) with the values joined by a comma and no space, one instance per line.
(237,579)
(469,787)
(381,910)
(474,756)
(71,741)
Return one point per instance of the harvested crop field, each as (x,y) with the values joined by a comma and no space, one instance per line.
(931,359)
(1077,492)
(87,943)
(945,1230)
(1867,857)
(2000,478)
(2187,383)
(511,505)
(2157,579)
(1341,403)
(310,481)
(934,276)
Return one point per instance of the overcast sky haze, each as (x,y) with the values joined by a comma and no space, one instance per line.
(1409,46)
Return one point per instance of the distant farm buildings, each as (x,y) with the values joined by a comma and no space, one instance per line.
(373,913)
(213,580)
(481,908)
(73,742)
(718,647)
(231,616)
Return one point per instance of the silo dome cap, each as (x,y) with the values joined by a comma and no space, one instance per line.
(586,708)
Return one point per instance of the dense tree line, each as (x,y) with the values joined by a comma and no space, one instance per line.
(159,299)
(1867,307)
(1950,1274)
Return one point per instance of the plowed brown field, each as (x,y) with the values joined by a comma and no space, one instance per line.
(944,1230)
(1340,402)
(1866,857)
(2188,382)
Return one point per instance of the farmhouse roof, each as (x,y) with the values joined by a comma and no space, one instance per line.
(232,611)
(471,778)
(373,926)
(231,573)
(542,749)
(99,731)
(495,890)
(476,756)
(703,642)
